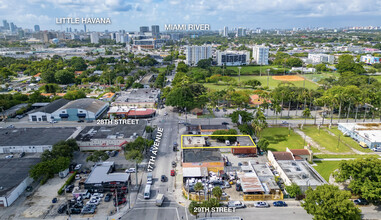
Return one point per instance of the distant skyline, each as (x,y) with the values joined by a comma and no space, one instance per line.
(130,15)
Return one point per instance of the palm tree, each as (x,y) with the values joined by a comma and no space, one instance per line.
(217,192)
(198,187)
(306,113)
(259,123)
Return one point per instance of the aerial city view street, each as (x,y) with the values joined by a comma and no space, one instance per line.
(185,110)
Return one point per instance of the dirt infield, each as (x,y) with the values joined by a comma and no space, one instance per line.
(288,78)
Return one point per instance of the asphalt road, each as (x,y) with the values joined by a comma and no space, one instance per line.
(145,208)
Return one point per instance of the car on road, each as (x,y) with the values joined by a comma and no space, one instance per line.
(130,170)
(285,122)
(78,167)
(236,204)
(261,205)
(80,121)
(175,144)
(163,178)
(165,114)
(225,123)
(8,156)
(77,177)
(22,154)
(173,164)
(54,200)
(361,201)
(11,126)
(181,122)
(279,204)
(53,122)
(173,173)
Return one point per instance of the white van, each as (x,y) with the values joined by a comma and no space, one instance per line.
(147,192)
(159,199)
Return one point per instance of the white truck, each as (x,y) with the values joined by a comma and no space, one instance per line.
(63,173)
(159,199)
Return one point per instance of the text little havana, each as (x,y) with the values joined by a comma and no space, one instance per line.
(154,149)
(118,122)
(213,209)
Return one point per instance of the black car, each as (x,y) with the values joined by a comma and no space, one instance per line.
(108,197)
(80,121)
(69,188)
(163,178)
(62,209)
(361,201)
(22,154)
(74,211)
(225,123)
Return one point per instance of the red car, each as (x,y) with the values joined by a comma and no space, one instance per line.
(172,172)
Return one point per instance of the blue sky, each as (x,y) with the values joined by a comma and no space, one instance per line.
(130,14)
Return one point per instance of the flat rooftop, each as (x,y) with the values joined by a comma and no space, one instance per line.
(112,132)
(250,183)
(367,130)
(201,155)
(138,95)
(34,136)
(301,173)
(101,173)
(265,176)
(14,171)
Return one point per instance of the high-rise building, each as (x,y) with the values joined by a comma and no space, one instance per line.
(12,27)
(5,25)
(155,30)
(197,53)
(233,58)
(226,32)
(261,55)
(36,28)
(320,58)
(241,32)
(84,28)
(144,29)
(94,37)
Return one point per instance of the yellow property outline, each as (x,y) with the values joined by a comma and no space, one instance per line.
(205,135)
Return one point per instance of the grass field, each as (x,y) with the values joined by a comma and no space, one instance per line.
(323,156)
(377,77)
(162,69)
(316,77)
(250,69)
(349,141)
(279,139)
(325,168)
(326,140)
(263,79)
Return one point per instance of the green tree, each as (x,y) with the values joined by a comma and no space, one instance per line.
(253,83)
(306,113)
(192,208)
(329,202)
(294,62)
(246,116)
(205,63)
(217,192)
(198,187)
(97,156)
(263,144)
(75,94)
(64,77)
(293,190)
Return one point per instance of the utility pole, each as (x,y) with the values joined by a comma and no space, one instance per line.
(268,75)
(239,74)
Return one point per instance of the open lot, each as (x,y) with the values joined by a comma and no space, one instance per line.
(280,138)
(325,168)
(273,83)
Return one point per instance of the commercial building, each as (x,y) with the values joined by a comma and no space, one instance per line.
(366,134)
(155,30)
(14,178)
(261,55)
(321,58)
(94,38)
(241,32)
(209,158)
(266,177)
(81,109)
(225,33)
(109,137)
(138,98)
(143,29)
(233,58)
(45,113)
(103,179)
(36,28)
(11,112)
(197,53)
(32,140)
(369,59)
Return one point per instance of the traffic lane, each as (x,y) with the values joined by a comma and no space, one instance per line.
(272,213)
(153,213)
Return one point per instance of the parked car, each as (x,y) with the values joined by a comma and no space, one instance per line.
(22,154)
(53,122)
(225,123)
(279,204)
(74,211)
(77,177)
(163,178)
(172,172)
(54,200)
(261,205)
(78,167)
(236,204)
(93,201)
(80,121)
(130,170)
(69,188)
(11,126)
(165,114)
(95,195)
(361,201)
(8,156)
(173,164)
(108,197)
(88,210)
(62,208)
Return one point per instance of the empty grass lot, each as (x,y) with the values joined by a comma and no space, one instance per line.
(279,139)
(326,168)
(349,141)
(326,140)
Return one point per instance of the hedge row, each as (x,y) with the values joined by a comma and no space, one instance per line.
(68,182)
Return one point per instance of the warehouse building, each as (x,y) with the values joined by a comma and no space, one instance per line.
(32,140)
(366,134)
(81,109)
(138,98)
(14,183)
(45,113)
(109,137)
(103,179)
